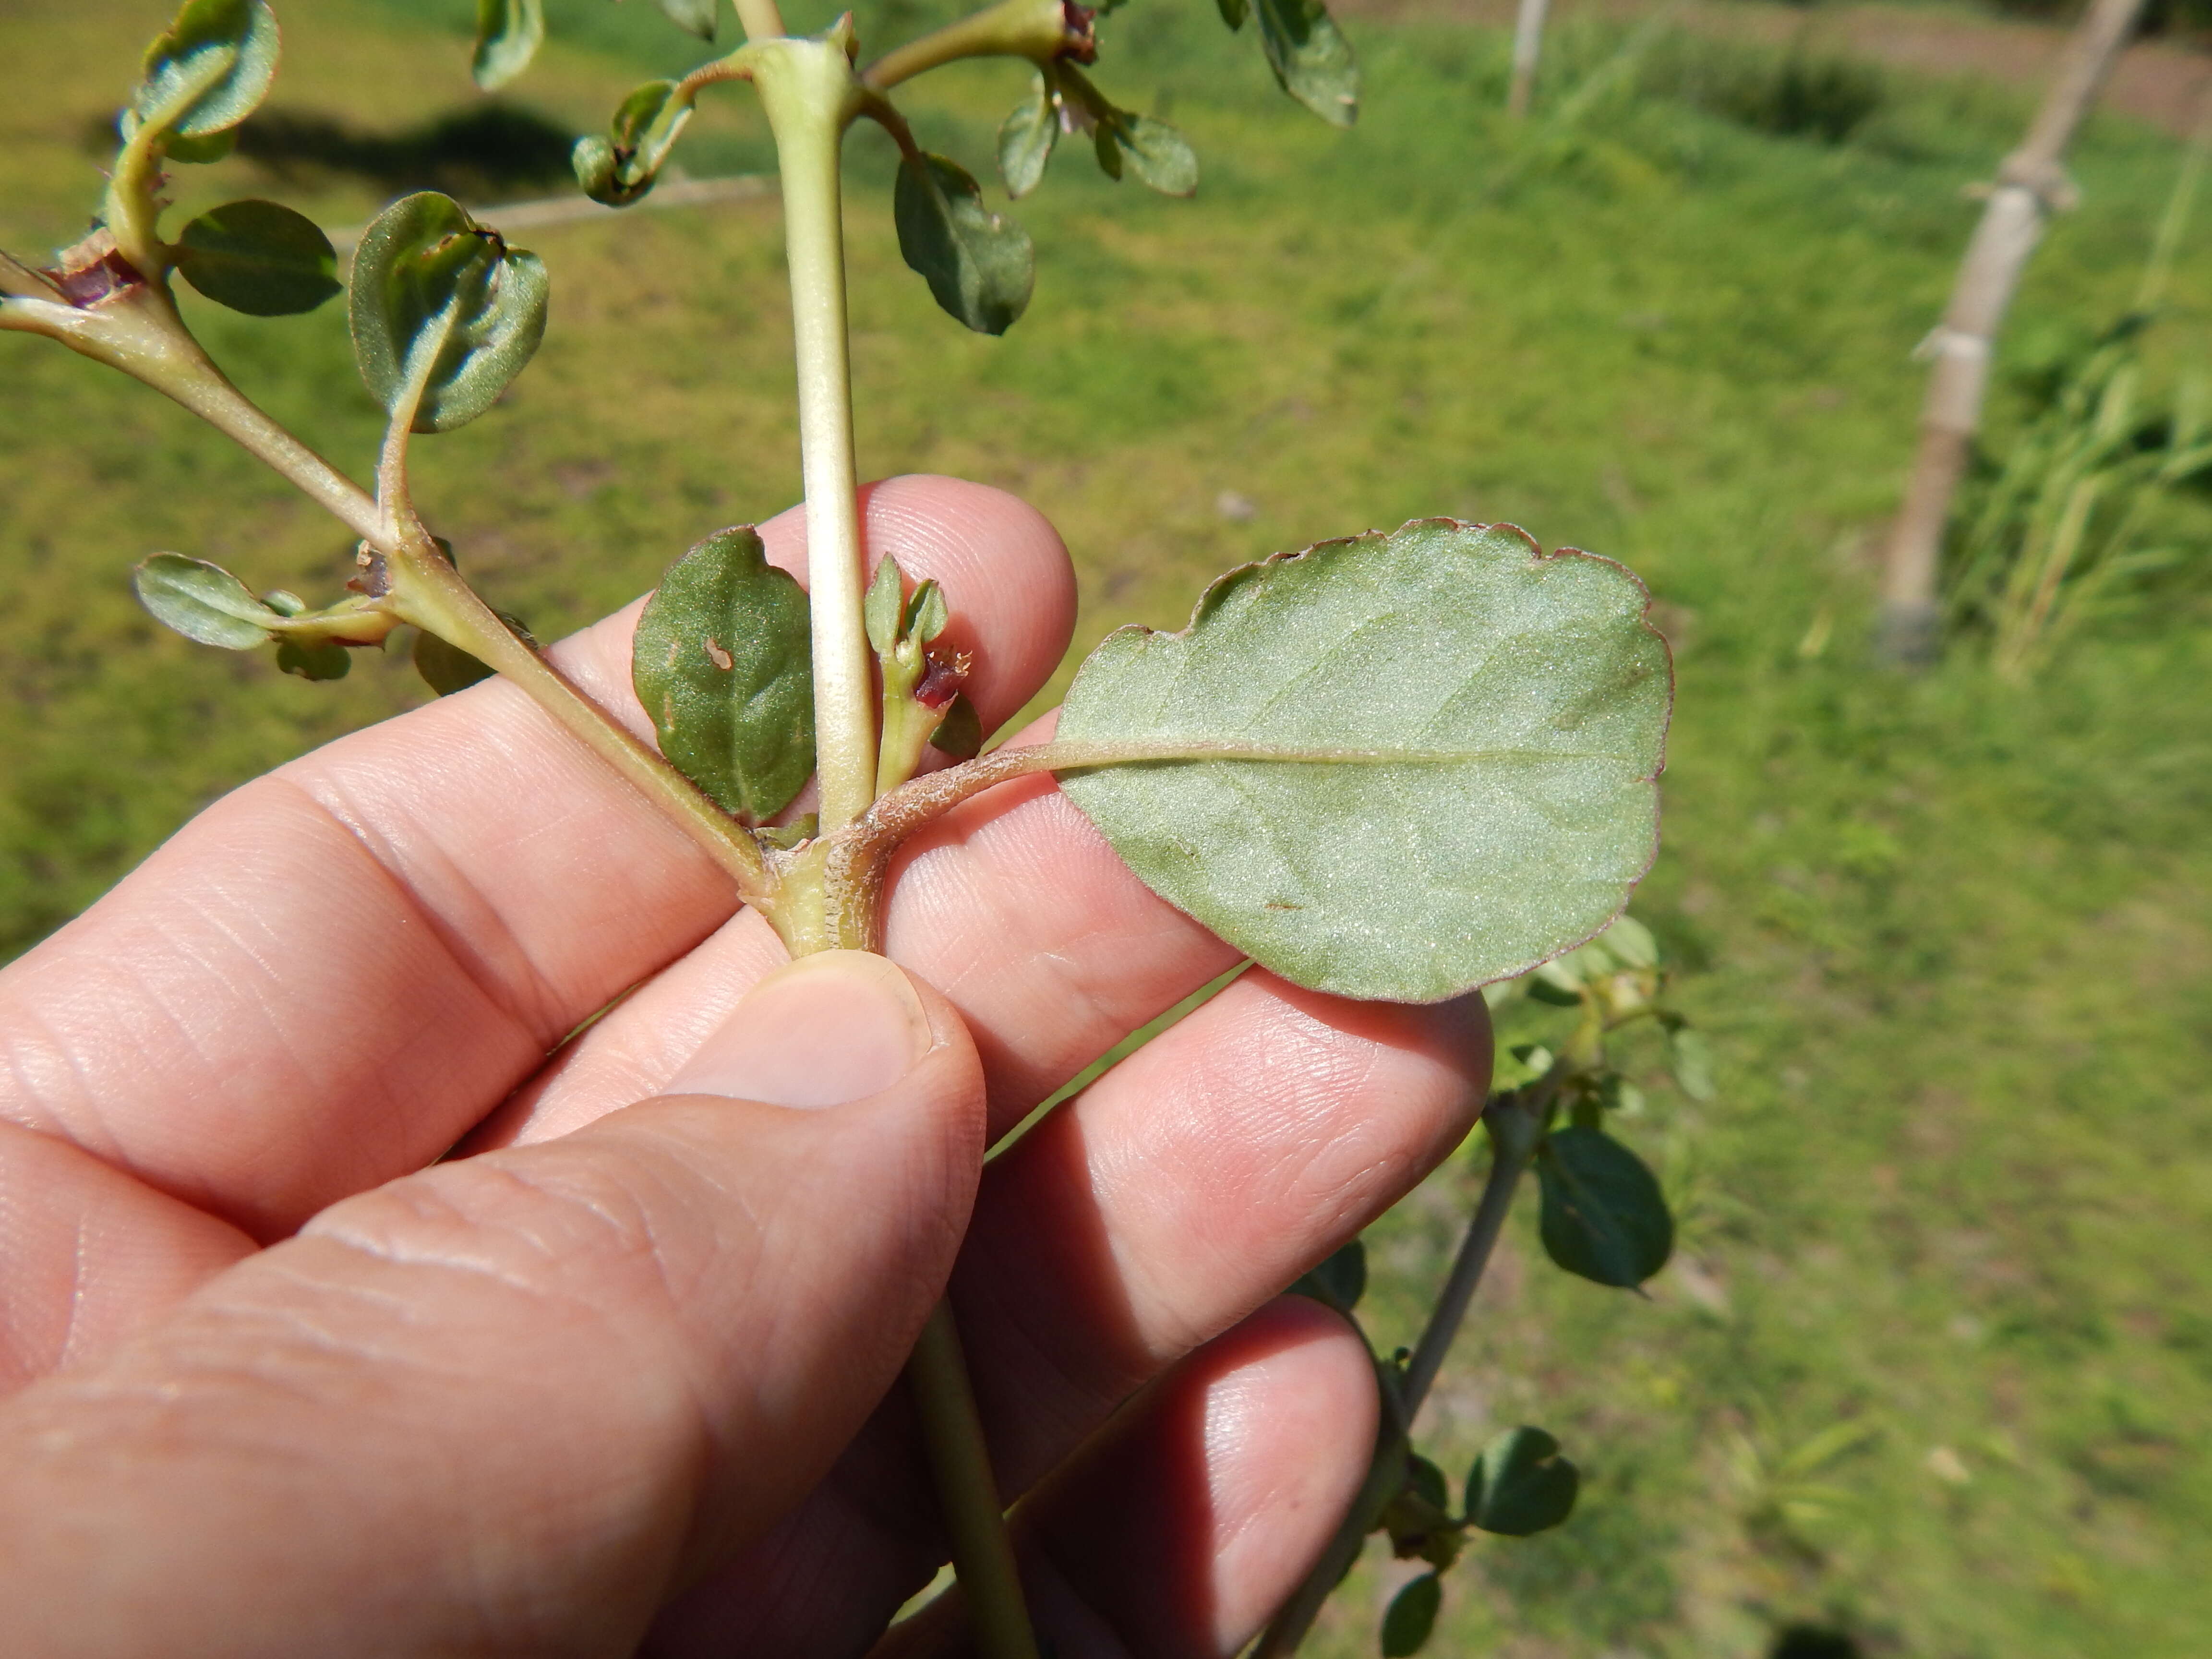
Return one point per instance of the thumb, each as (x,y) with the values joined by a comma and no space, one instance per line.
(511,1403)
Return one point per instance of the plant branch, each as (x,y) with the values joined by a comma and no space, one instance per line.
(808,90)
(1035,29)
(1516,1126)
(428,592)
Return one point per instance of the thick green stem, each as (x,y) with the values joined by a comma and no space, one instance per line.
(975,1518)
(760,19)
(809,92)
(427,591)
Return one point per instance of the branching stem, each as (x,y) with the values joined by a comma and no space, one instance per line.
(1035,29)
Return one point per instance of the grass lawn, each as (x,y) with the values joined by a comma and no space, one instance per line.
(1951,939)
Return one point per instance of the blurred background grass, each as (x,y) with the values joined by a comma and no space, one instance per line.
(1951,939)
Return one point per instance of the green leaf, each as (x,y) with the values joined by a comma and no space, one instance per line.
(1630,943)
(322,660)
(1412,1617)
(1428,1482)
(1026,139)
(884,608)
(978,264)
(203,602)
(259,257)
(1234,12)
(1543,990)
(1339,1282)
(724,665)
(1691,1062)
(1159,156)
(508,34)
(697,15)
(960,733)
(1521,1485)
(619,168)
(1501,716)
(1603,1216)
(1309,57)
(210,69)
(926,613)
(201,151)
(428,279)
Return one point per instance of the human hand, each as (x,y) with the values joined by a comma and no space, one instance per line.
(621,1379)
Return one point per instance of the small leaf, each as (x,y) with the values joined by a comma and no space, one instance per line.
(429,278)
(1630,943)
(723,664)
(210,69)
(925,615)
(1026,139)
(445,667)
(1501,715)
(1311,59)
(960,733)
(885,607)
(1521,1485)
(1234,12)
(1691,1062)
(201,151)
(1412,1617)
(619,168)
(979,265)
(203,602)
(1603,1215)
(697,15)
(259,257)
(1542,989)
(508,34)
(312,661)
(1159,156)
(1428,1482)
(1339,1281)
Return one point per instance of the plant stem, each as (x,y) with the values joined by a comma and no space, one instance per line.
(140,333)
(427,591)
(1035,29)
(1514,1126)
(1386,1475)
(760,19)
(975,1518)
(1515,1122)
(808,90)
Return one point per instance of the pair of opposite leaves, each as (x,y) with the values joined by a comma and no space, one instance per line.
(1423,761)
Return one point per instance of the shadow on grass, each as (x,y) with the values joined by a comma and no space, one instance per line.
(478,154)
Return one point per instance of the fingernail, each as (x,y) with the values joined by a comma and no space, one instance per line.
(832,1028)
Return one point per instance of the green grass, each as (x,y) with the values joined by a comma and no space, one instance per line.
(1951,940)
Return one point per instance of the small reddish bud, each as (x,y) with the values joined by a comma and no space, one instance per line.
(941,681)
(1077,40)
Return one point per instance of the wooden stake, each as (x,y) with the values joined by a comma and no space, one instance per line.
(2031,186)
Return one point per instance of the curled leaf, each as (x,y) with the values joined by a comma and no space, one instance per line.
(203,602)
(621,167)
(1602,1217)
(1026,139)
(979,265)
(1521,1485)
(1310,57)
(724,664)
(508,34)
(209,70)
(313,659)
(1482,729)
(437,297)
(259,257)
